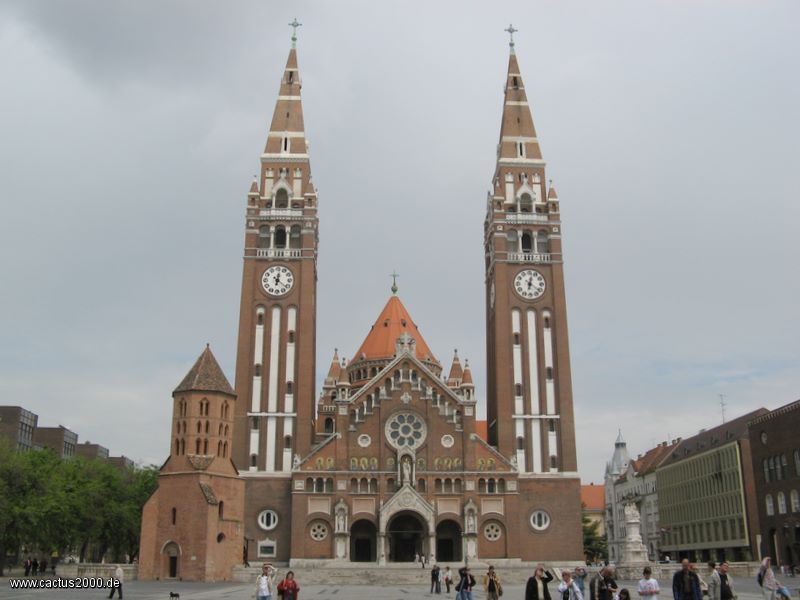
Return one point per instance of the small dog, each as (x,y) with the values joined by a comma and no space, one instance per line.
(174,595)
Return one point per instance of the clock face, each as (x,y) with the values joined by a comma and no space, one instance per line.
(529,284)
(277,280)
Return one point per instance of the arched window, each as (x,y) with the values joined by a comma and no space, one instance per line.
(481,486)
(328,425)
(291,337)
(527,243)
(219,448)
(260,318)
(220,430)
(491,488)
(174,515)
(794,498)
(282,198)
(183,446)
(421,485)
(197,446)
(225,450)
(518,389)
(781,503)
(457,486)
(206,426)
(225,414)
(520,443)
(205,446)
(199,427)
(253,459)
(437,486)
(542,242)
(287,442)
(280,236)
(254,423)
(221,509)
(501,486)
(289,387)
(294,237)
(225,431)
(797,462)
(770,505)
(177,446)
(525,203)
(263,236)
(319,484)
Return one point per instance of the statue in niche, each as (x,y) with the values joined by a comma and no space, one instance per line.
(470,522)
(407,471)
(296,462)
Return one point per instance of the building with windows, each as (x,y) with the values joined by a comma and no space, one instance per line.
(707,496)
(390,461)
(635,483)
(776,461)
(59,439)
(17,425)
(91,451)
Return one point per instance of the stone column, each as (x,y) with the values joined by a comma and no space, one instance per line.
(381,549)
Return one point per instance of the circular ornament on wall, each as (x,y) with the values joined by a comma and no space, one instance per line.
(448,441)
(540,520)
(405,430)
(267,520)
(492,532)
(364,440)
(318,531)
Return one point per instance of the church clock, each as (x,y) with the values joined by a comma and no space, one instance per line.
(529,284)
(277,280)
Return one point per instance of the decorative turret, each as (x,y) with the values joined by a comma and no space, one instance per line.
(456,372)
(467,386)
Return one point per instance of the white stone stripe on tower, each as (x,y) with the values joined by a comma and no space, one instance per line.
(253,448)
(516,360)
(536,446)
(288,401)
(550,388)
(258,359)
(287,452)
(533,368)
(274,349)
(270,451)
(519,429)
(552,444)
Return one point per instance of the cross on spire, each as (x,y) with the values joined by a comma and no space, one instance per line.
(394,277)
(294,25)
(511,31)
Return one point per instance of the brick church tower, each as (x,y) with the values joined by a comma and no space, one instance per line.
(192,525)
(529,391)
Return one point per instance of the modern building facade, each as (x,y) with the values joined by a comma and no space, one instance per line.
(775,445)
(707,496)
(91,451)
(59,439)
(18,425)
(391,461)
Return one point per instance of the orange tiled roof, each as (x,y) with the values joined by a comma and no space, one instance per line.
(593,496)
(482,429)
(381,341)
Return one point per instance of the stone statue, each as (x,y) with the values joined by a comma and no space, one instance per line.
(340,523)
(515,462)
(296,462)
(407,472)
(470,522)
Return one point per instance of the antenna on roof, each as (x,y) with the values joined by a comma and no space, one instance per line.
(722,405)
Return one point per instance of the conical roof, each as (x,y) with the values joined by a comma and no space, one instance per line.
(287,121)
(466,378)
(205,376)
(456,372)
(517,125)
(335,369)
(393,321)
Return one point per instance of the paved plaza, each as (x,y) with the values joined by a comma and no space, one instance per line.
(159,590)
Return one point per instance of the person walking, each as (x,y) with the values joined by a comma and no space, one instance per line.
(448,578)
(491,585)
(602,586)
(569,587)
(686,583)
(648,585)
(536,588)
(766,579)
(712,581)
(580,579)
(436,582)
(265,583)
(288,588)
(28,566)
(465,584)
(119,577)
(34,566)
(726,589)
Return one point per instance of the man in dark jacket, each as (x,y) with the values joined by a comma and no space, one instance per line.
(602,586)
(465,584)
(536,588)
(686,583)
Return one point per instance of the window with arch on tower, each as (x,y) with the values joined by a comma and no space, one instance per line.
(282,198)
(294,237)
(263,236)
(280,237)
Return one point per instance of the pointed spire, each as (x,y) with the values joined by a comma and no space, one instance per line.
(518,141)
(205,376)
(552,195)
(286,137)
(620,441)
(335,369)
(456,372)
(254,186)
(466,378)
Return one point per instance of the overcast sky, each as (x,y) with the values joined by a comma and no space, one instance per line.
(130,132)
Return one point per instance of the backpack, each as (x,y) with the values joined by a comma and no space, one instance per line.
(760,579)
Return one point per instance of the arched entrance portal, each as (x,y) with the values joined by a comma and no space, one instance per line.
(363,542)
(172,553)
(406,533)
(448,541)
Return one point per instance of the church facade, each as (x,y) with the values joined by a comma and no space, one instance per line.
(389,462)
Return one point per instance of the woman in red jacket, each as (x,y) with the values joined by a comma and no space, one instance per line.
(288,588)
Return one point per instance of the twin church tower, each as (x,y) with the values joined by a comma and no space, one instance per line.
(389,462)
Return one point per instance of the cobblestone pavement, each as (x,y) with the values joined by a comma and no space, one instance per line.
(159,590)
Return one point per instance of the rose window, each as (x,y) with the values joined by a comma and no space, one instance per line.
(492,532)
(405,430)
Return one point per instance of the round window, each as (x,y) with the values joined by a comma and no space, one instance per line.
(492,532)
(448,441)
(540,520)
(364,440)
(318,531)
(267,520)
(405,430)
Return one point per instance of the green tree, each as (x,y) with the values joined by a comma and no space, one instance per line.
(594,545)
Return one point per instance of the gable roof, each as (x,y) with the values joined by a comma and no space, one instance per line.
(381,341)
(205,376)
